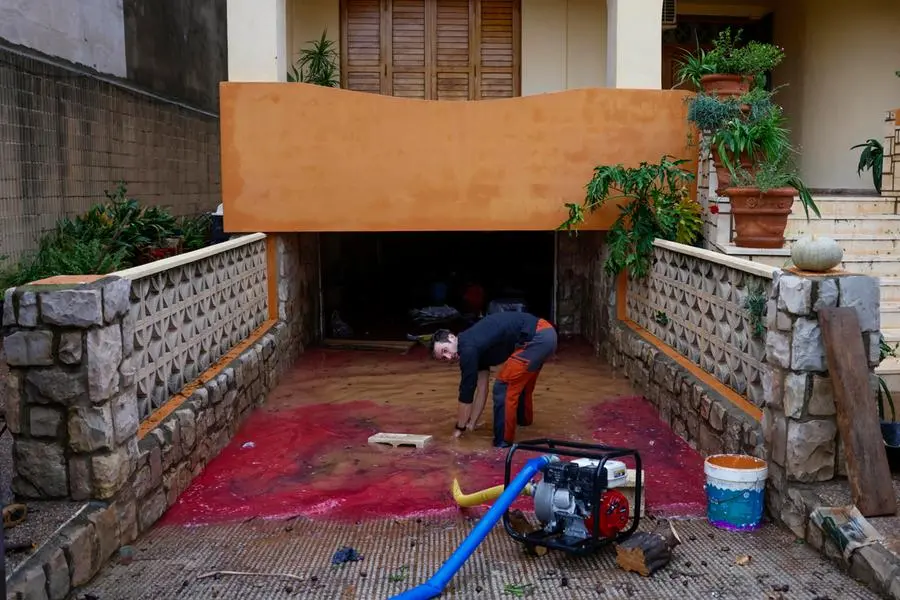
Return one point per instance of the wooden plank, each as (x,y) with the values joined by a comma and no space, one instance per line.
(857,418)
(400,439)
(368,344)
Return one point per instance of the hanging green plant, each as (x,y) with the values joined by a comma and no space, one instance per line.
(656,205)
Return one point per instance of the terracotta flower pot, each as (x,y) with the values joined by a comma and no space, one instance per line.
(760,218)
(723,175)
(725,86)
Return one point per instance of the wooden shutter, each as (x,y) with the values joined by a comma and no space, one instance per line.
(431,49)
(453,50)
(497,59)
(410,56)
(362,64)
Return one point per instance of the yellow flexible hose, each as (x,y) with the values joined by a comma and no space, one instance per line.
(481,497)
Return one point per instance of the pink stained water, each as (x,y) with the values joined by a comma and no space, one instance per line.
(675,481)
(306,452)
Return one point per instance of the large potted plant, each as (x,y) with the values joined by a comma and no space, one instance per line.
(729,69)
(738,131)
(762,199)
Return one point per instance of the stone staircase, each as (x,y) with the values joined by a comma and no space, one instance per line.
(868,229)
(866,226)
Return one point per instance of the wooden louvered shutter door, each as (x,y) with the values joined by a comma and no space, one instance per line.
(497,57)
(362,56)
(452,38)
(408,70)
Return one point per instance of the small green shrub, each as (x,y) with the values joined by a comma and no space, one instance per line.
(110,236)
(728,57)
(709,113)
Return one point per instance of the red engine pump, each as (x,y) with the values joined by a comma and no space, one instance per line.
(613,514)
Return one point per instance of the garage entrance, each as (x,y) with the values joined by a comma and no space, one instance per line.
(386,286)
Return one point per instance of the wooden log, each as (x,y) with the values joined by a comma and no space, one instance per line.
(646,553)
(521,525)
(857,418)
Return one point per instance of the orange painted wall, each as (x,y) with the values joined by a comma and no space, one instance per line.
(298,157)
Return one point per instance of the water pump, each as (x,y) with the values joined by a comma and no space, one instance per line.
(576,501)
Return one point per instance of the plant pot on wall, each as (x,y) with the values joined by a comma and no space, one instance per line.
(723,175)
(725,86)
(760,218)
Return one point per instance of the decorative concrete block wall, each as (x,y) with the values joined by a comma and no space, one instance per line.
(799,417)
(697,303)
(72,403)
(185,317)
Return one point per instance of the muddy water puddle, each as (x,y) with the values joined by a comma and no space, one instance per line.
(305,453)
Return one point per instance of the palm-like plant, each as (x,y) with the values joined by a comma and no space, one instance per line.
(317,64)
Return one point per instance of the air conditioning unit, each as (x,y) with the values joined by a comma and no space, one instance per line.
(669,16)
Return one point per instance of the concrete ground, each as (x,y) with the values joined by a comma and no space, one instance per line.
(306,452)
(299,481)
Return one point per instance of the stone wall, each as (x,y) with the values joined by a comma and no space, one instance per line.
(799,416)
(298,288)
(584,289)
(72,404)
(73,412)
(67,137)
(703,417)
(890,179)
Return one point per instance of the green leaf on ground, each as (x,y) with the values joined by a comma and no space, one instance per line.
(519,590)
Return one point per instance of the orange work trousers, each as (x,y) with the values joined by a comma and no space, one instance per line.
(514,386)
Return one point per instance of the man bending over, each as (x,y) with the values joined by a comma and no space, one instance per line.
(518,340)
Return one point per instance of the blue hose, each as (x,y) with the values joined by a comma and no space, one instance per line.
(434,586)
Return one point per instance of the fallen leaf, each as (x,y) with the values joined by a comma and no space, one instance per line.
(742,560)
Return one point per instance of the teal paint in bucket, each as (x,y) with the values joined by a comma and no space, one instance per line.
(735,491)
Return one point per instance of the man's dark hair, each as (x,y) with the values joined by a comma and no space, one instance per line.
(439,336)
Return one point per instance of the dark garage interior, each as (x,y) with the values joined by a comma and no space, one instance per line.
(385,286)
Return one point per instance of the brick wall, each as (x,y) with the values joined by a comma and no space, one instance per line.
(66,136)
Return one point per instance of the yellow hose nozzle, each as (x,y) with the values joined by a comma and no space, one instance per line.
(481,497)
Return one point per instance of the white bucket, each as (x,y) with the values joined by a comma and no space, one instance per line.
(735,490)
